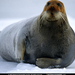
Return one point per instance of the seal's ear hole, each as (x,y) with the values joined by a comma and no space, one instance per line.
(48,3)
(59,4)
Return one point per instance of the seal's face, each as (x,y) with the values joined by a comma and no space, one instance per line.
(52,10)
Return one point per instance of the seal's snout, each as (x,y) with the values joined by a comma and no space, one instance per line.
(52,8)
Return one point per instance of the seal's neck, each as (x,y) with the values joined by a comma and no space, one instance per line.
(52,28)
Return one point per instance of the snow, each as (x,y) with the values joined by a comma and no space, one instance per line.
(14,67)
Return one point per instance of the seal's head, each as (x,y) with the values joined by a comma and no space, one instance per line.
(53,10)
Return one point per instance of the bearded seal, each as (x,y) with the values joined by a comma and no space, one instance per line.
(46,40)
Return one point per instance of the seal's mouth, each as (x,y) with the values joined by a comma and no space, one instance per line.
(52,16)
(49,20)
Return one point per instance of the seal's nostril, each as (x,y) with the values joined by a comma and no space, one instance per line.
(51,13)
(52,8)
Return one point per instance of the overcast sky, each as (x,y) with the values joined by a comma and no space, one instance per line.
(20,8)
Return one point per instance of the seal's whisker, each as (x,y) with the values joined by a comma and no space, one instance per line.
(62,17)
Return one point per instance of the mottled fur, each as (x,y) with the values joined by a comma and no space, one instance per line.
(52,37)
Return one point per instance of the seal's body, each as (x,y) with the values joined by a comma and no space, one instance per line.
(46,40)
(13,38)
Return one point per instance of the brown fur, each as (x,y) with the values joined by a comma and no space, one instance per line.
(57,8)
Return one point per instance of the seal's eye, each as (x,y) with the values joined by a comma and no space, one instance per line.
(48,3)
(59,4)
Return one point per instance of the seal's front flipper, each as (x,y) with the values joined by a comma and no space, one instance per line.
(48,63)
